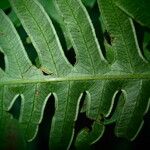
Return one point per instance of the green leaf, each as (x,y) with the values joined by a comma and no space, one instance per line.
(136,98)
(83,36)
(86,138)
(138,9)
(14,19)
(42,35)
(52,11)
(89,3)
(4,4)
(127,53)
(100,78)
(17,62)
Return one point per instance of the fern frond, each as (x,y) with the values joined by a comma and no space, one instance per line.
(101,79)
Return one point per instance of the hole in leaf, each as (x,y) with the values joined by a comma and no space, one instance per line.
(15,109)
(82,121)
(7,11)
(31,52)
(140,34)
(60,34)
(107,37)
(42,139)
(110,141)
(69,53)
(2,61)
(71,56)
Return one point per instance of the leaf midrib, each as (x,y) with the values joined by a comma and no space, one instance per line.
(77,78)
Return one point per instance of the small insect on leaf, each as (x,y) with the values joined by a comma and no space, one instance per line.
(46,71)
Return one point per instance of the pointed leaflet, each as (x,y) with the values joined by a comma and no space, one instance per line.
(43,36)
(16,61)
(86,138)
(17,65)
(138,9)
(67,99)
(101,94)
(100,105)
(119,101)
(128,57)
(53,12)
(88,54)
(33,100)
(130,119)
